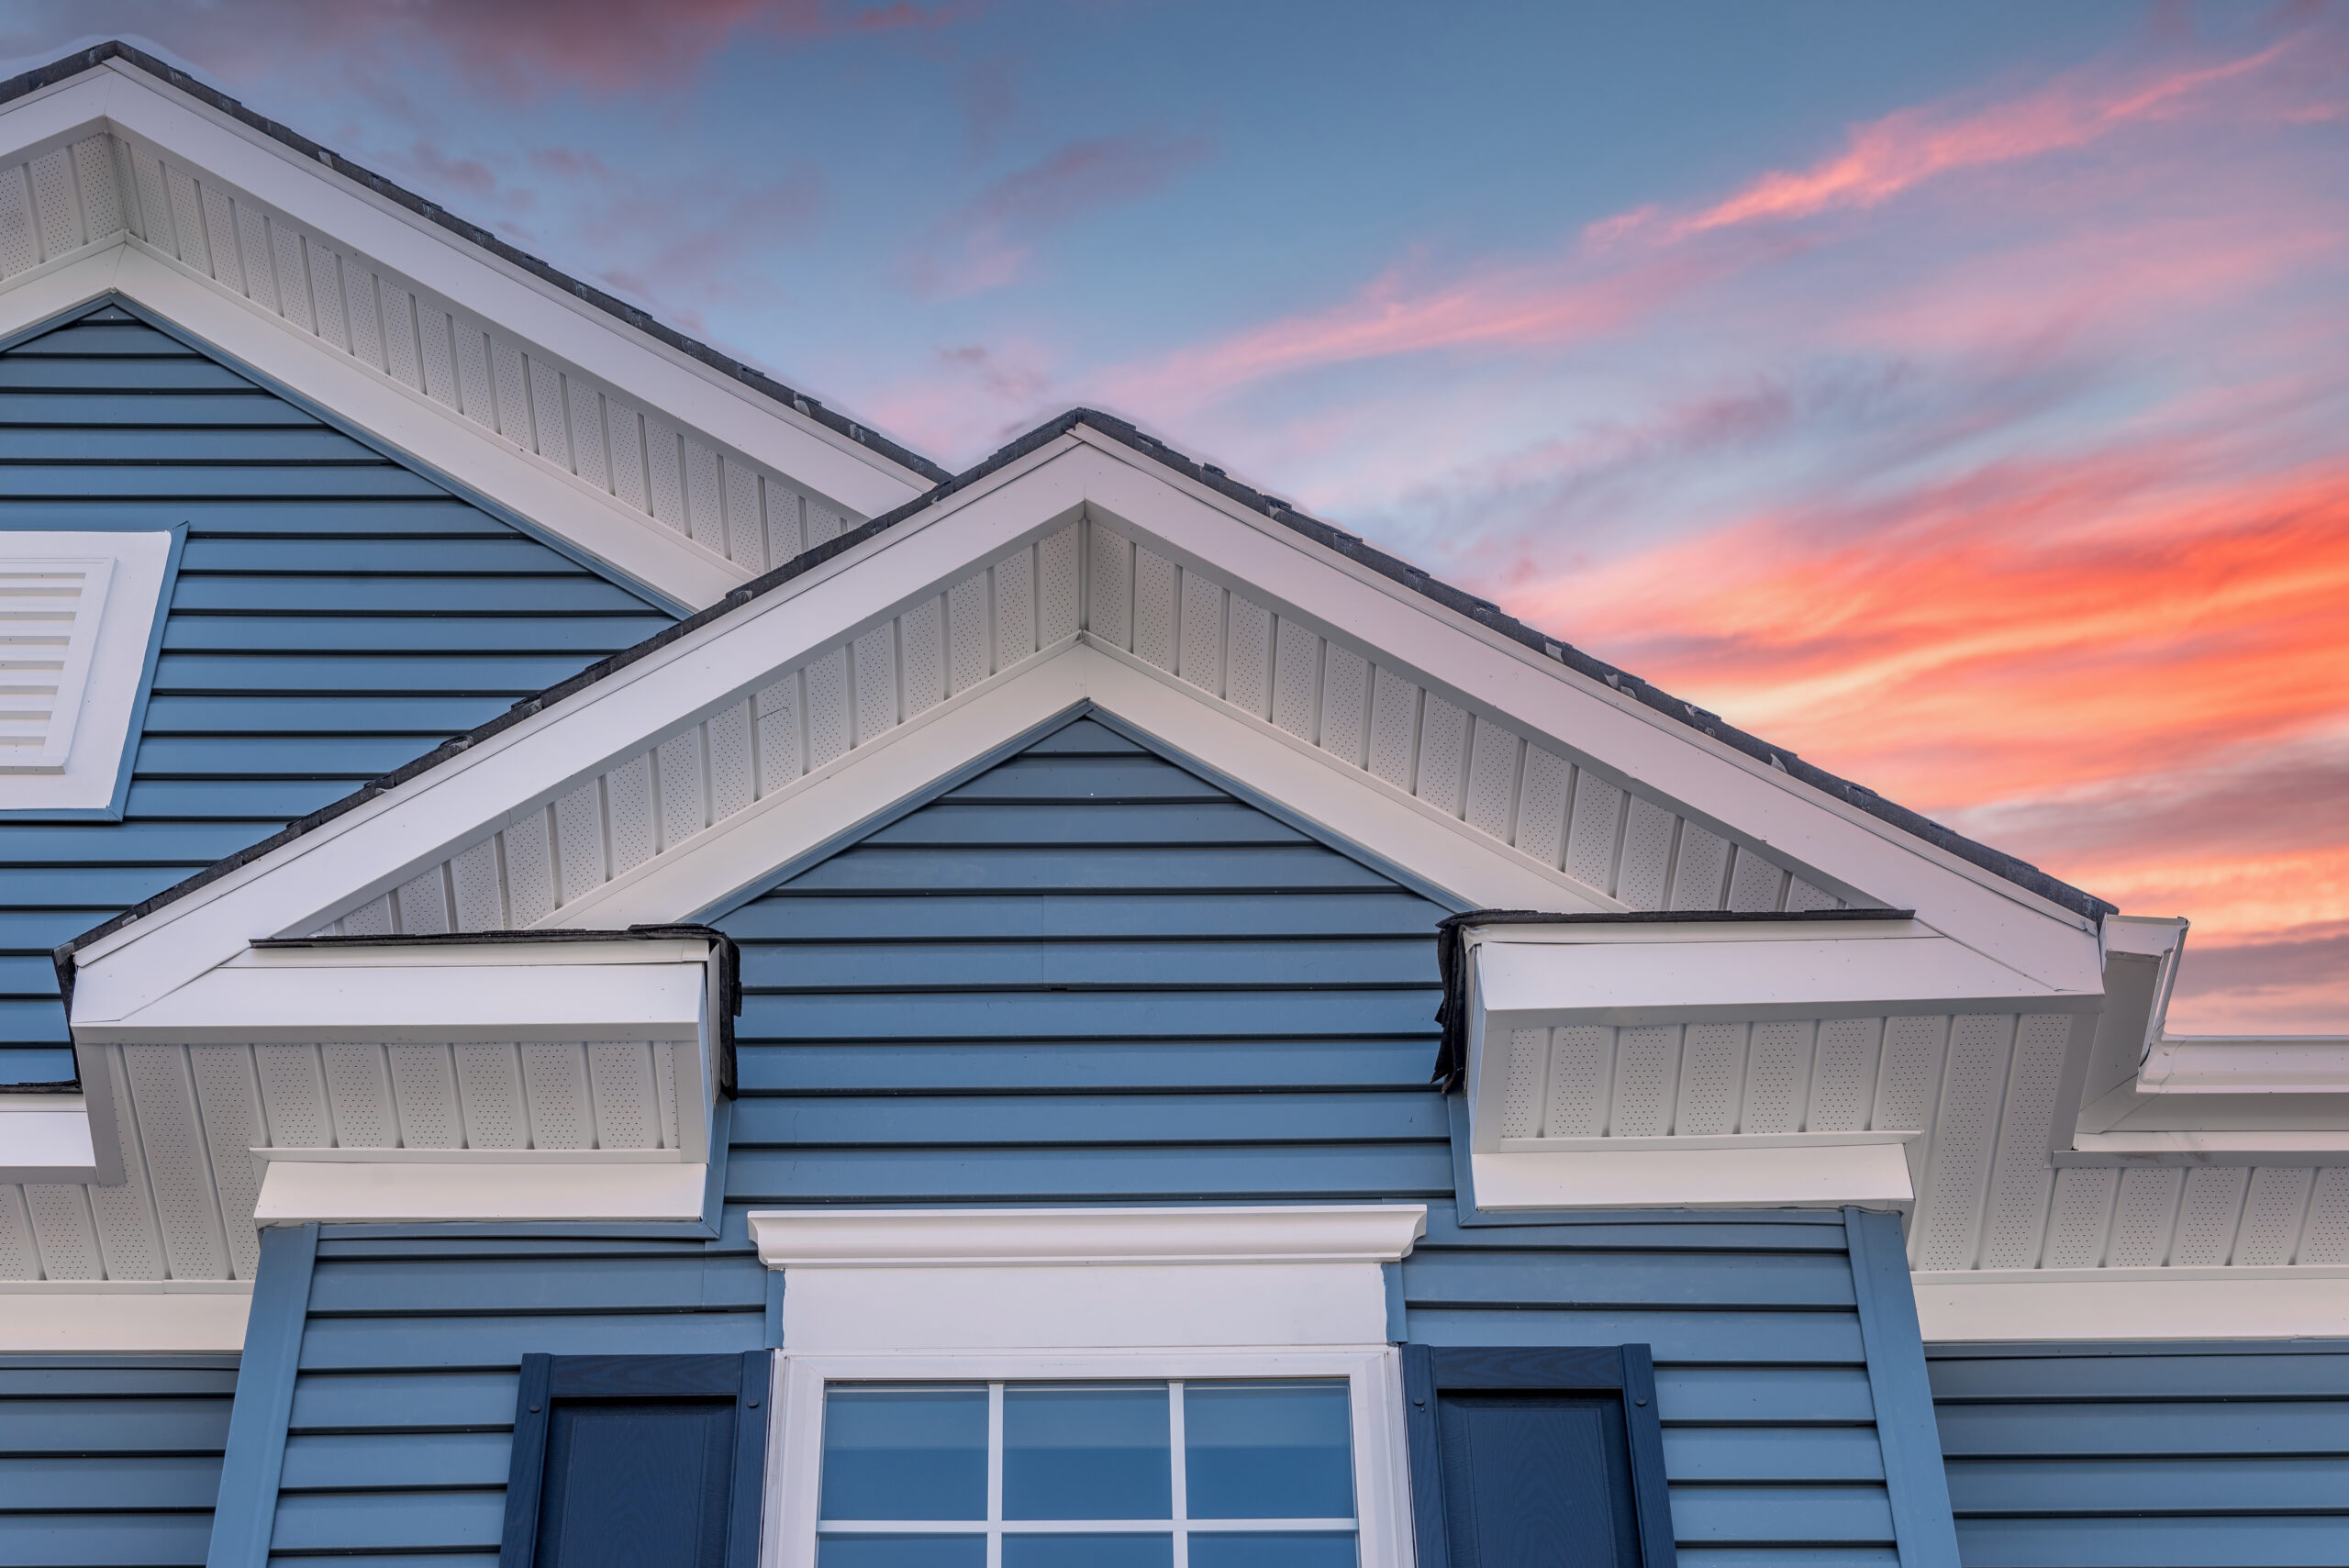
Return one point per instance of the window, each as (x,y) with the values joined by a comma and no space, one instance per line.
(1176,1474)
(79,622)
(1158,1460)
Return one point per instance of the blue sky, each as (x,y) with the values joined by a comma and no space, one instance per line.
(1950,393)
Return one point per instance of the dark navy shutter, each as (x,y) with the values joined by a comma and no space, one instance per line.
(637,1462)
(1536,1458)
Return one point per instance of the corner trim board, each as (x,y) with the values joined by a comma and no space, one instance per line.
(1914,1480)
(246,1514)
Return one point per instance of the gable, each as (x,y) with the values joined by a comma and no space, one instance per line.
(651,453)
(335,613)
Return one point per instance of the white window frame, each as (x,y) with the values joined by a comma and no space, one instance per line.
(105,664)
(1373,1372)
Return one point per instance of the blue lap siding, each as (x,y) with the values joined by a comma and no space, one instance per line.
(1089,974)
(110,1460)
(2171,1455)
(335,615)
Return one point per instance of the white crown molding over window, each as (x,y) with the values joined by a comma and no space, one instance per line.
(1051,1279)
(77,624)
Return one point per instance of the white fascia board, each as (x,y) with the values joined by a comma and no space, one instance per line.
(1616,733)
(999,1238)
(47,1138)
(2040,1305)
(1793,971)
(124,1316)
(379,843)
(393,994)
(2279,1065)
(1860,1172)
(423,1191)
(666,378)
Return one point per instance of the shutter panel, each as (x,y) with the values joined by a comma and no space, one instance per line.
(637,1462)
(1536,1458)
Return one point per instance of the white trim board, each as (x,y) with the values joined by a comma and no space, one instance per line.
(895,1280)
(1824,1170)
(2031,1304)
(123,1317)
(412,1190)
(372,847)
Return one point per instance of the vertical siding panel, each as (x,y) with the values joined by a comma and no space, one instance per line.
(778,727)
(130,1235)
(1248,658)
(1778,1077)
(1581,1082)
(227,1092)
(547,418)
(530,869)
(829,707)
(1647,855)
(1979,1048)
(513,393)
(187,218)
(579,840)
(733,767)
(967,633)
(1756,887)
(2021,1182)
(685,808)
(1699,880)
(1345,703)
(555,1082)
(364,302)
(1202,654)
(1647,1064)
(1492,780)
(102,203)
(359,1091)
(1712,1080)
(54,199)
(20,1254)
(1394,727)
(785,522)
(1015,610)
(423,1094)
(195,1244)
(293,1095)
(473,877)
(472,372)
(586,424)
(746,524)
(619,1075)
(1109,617)
(292,277)
(2141,1218)
(489,1095)
(1591,832)
(253,252)
(399,336)
(2081,1215)
(1155,612)
(63,1230)
(923,628)
(159,226)
(825,523)
(1058,586)
(628,808)
(703,504)
(19,241)
(626,451)
(1844,1086)
(664,476)
(2273,1215)
(1296,678)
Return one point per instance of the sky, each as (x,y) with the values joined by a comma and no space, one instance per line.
(1957,395)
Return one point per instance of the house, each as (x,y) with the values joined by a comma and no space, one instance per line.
(608,967)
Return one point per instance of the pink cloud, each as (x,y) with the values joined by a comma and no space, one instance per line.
(988,241)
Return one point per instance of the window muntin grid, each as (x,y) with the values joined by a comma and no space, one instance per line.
(1178,1474)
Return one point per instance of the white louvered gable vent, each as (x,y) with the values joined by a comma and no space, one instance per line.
(50,607)
(77,616)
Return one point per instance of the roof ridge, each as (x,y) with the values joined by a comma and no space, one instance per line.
(757,380)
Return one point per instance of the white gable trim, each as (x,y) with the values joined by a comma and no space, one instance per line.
(692,558)
(522,769)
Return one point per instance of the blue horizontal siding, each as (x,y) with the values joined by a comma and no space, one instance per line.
(110,1460)
(335,615)
(2146,1456)
(1090,975)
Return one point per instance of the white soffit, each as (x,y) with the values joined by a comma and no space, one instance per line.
(77,618)
(911,1280)
(877,652)
(667,468)
(1760,1064)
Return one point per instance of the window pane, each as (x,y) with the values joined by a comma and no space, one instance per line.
(1268,1451)
(901,1551)
(905,1454)
(1087,1451)
(1088,1551)
(1270,1550)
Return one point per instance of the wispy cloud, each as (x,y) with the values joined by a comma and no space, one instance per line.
(514,46)
(988,241)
